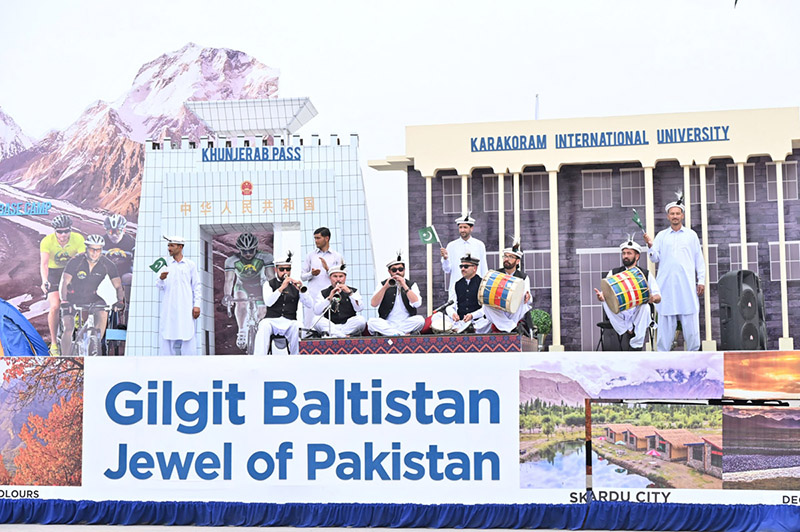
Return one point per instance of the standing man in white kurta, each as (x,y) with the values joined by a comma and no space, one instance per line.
(631,325)
(315,271)
(461,247)
(681,276)
(179,284)
(397,299)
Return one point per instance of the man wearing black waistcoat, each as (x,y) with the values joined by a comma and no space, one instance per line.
(281,296)
(338,305)
(397,299)
(466,310)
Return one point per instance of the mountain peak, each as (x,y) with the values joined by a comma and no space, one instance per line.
(12,139)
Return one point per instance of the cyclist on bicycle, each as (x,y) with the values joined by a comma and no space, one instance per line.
(55,251)
(245,273)
(120,247)
(82,275)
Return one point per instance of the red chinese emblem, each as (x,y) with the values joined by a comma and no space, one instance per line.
(247,188)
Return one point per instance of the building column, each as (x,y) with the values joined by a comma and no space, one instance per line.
(785,342)
(429,247)
(517,221)
(464,194)
(742,215)
(501,212)
(555,254)
(687,195)
(649,215)
(708,344)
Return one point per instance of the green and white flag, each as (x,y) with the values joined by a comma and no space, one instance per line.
(637,220)
(428,235)
(157,265)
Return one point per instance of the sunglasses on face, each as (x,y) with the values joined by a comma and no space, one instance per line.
(284,268)
(63,231)
(396,270)
(465,266)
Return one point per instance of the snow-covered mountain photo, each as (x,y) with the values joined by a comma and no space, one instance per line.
(94,166)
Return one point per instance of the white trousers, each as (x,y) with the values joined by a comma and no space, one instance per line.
(282,326)
(482,325)
(178,347)
(636,319)
(667,324)
(409,325)
(352,327)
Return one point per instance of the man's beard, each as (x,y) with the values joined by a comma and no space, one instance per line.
(628,262)
(508,265)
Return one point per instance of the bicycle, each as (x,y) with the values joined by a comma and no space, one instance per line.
(250,321)
(86,340)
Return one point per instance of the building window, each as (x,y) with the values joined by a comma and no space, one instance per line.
(493,260)
(535,191)
(749,183)
(711,185)
(716,459)
(697,453)
(596,189)
(792,261)
(713,264)
(752,257)
(632,187)
(537,266)
(451,193)
(789,171)
(491,193)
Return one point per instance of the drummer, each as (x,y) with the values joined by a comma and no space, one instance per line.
(466,310)
(631,324)
(513,321)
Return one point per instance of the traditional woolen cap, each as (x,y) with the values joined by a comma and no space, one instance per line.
(337,269)
(677,203)
(469,259)
(466,219)
(514,249)
(174,239)
(630,244)
(287,260)
(398,260)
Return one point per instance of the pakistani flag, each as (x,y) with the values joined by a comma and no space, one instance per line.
(637,220)
(428,235)
(157,265)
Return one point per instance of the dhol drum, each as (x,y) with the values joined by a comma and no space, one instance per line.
(501,291)
(441,323)
(625,290)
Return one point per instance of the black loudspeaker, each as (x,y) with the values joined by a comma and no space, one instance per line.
(741,312)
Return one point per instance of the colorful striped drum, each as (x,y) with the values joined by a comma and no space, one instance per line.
(501,291)
(625,290)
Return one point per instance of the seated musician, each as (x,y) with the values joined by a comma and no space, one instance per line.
(281,296)
(631,324)
(466,310)
(397,299)
(512,321)
(337,307)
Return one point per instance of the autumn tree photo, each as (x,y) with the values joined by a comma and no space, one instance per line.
(51,447)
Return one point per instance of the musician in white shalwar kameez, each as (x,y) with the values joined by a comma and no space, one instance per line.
(510,321)
(281,296)
(465,245)
(466,309)
(180,287)
(632,324)
(681,276)
(338,306)
(397,299)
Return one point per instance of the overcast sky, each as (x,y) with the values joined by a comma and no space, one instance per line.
(374,67)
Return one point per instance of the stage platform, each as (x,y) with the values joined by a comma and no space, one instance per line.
(424,343)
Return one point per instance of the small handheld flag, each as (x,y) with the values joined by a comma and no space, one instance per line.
(637,220)
(158,264)
(428,235)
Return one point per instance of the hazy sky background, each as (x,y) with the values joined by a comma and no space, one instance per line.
(374,67)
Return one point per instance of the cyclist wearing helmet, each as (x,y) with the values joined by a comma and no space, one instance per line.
(119,247)
(56,250)
(245,273)
(82,275)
